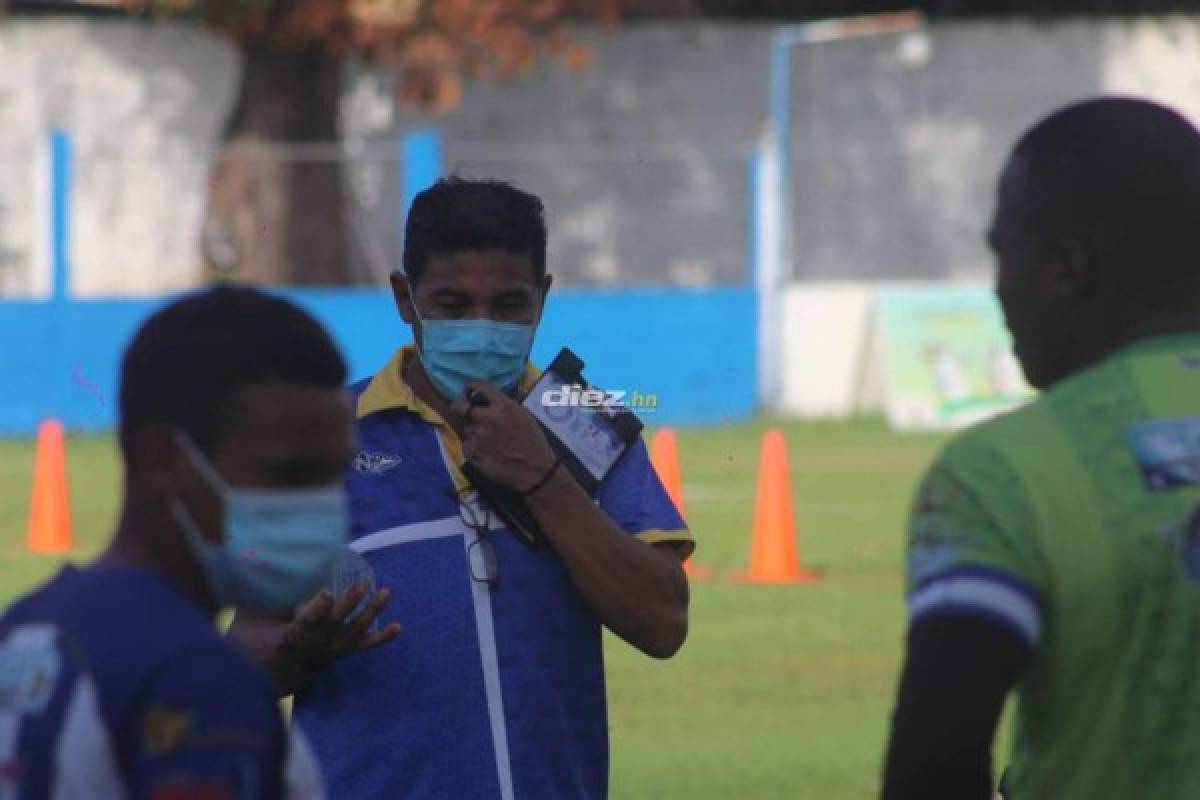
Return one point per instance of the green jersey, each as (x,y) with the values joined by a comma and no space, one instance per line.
(1074,523)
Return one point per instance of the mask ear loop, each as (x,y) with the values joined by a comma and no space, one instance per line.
(201,463)
(412,301)
(209,474)
(187,523)
(416,311)
(184,519)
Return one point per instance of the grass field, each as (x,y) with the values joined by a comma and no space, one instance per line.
(780,692)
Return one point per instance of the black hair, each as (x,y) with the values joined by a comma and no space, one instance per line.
(457,214)
(187,361)
(1126,170)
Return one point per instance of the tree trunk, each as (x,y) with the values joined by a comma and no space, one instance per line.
(276,213)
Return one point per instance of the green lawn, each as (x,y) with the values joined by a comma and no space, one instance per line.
(780,691)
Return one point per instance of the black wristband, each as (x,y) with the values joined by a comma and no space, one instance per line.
(544,479)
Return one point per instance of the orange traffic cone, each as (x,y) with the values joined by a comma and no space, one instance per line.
(664,455)
(774,554)
(50,508)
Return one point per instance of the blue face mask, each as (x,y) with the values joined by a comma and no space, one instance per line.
(280,545)
(455,352)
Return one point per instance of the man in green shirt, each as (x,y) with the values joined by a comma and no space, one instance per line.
(1056,550)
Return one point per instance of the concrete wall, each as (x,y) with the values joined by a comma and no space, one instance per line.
(833,362)
(825,346)
(642,158)
(895,140)
(144,105)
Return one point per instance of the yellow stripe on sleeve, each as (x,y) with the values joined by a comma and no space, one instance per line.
(681,536)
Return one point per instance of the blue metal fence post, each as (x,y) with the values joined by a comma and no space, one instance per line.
(55,381)
(774,266)
(420,166)
(421,163)
(777,266)
(60,214)
(753,167)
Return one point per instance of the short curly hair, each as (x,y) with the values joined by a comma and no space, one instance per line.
(457,214)
(187,361)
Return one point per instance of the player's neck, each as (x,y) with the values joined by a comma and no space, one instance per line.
(1149,326)
(129,548)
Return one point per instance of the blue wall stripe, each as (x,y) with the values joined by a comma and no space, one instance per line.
(694,350)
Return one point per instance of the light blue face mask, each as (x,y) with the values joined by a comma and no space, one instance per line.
(455,352)
(280,545)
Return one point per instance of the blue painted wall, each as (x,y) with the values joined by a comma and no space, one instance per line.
(693,350)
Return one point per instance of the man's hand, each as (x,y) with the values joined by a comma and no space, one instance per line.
(637,590)
(320,634)
(502,438)
(293,649)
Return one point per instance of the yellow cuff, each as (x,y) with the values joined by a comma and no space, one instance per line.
(682,537)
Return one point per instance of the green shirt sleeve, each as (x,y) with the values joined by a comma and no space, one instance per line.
(971,540)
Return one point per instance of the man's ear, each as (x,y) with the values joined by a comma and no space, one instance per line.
(400,293)
(1074,269)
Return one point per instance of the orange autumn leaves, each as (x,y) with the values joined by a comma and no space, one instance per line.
(435,44)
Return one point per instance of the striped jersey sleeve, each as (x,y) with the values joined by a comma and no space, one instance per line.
(972,548)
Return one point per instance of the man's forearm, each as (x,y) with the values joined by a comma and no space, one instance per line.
(929,756)
(637,590)
(957,673)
